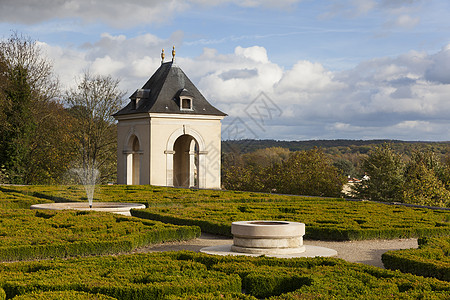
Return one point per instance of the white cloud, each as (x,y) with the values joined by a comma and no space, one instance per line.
(406,21)
(404,97)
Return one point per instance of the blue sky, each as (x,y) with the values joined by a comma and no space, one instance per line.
(354,69)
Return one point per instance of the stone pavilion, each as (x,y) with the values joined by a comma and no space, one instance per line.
(169,134)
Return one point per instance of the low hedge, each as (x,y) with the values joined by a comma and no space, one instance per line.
(214,296)
(63,295)
(431,259)
(189,275)
(13,199)
(145,194)
(137,276)
(325,218)
(36,234)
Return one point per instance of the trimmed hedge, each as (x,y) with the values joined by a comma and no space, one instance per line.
(12,199)
(325,218)
(213,211)
(137,276)
(214,296)
(38,234)
(189,275)
(63,295)
(145,194)
(431,259)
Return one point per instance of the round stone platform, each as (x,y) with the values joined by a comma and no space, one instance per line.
(310,251)
(114,207)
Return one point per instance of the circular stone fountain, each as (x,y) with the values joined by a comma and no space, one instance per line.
(267,237)
(271,238)
(114,207)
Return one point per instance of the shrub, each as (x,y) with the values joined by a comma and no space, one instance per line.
(431,259)
(62,295)
(189,275)
(71,233)
(137,276)
(325,218)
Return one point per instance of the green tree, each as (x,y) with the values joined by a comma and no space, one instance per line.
(18,127)
(384,169)
(92,104)
(422,185)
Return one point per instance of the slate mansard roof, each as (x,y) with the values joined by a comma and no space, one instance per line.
(162,92)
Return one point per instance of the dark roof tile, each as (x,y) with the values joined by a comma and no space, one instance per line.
(160,94)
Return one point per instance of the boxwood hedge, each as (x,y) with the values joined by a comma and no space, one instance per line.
(13,199)
(431,259)
(37,234)
(325,218)
(189,275)
(148,195)
(62,295)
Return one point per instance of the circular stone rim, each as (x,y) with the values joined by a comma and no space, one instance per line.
(256,229)
(97,206)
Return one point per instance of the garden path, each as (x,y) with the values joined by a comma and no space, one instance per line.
(367,252)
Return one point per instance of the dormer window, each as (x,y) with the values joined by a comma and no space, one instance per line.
(137,96)
(185,103)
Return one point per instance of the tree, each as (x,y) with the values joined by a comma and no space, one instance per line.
(422,185)
(27,82)
(92,104)
(384,169)
(308,173)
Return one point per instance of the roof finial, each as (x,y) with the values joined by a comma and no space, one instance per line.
(162,56)
(173,53)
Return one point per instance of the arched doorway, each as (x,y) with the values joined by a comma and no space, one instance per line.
(186,162)
(133,161)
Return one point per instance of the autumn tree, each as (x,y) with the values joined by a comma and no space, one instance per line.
(308,173)
(92,103)
(252,171)
(27,85)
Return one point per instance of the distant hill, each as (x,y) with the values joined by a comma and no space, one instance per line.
(342,146)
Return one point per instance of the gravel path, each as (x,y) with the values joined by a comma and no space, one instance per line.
(366,252)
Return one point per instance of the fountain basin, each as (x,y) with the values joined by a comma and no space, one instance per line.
(267,237)
(114,207)
(280,239)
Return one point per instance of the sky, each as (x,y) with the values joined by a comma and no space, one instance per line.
(280,69)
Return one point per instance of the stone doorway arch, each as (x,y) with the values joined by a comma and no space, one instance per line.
(133,160)
(185,159)
(185,162)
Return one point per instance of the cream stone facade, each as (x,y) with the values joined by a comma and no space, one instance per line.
(169,135)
